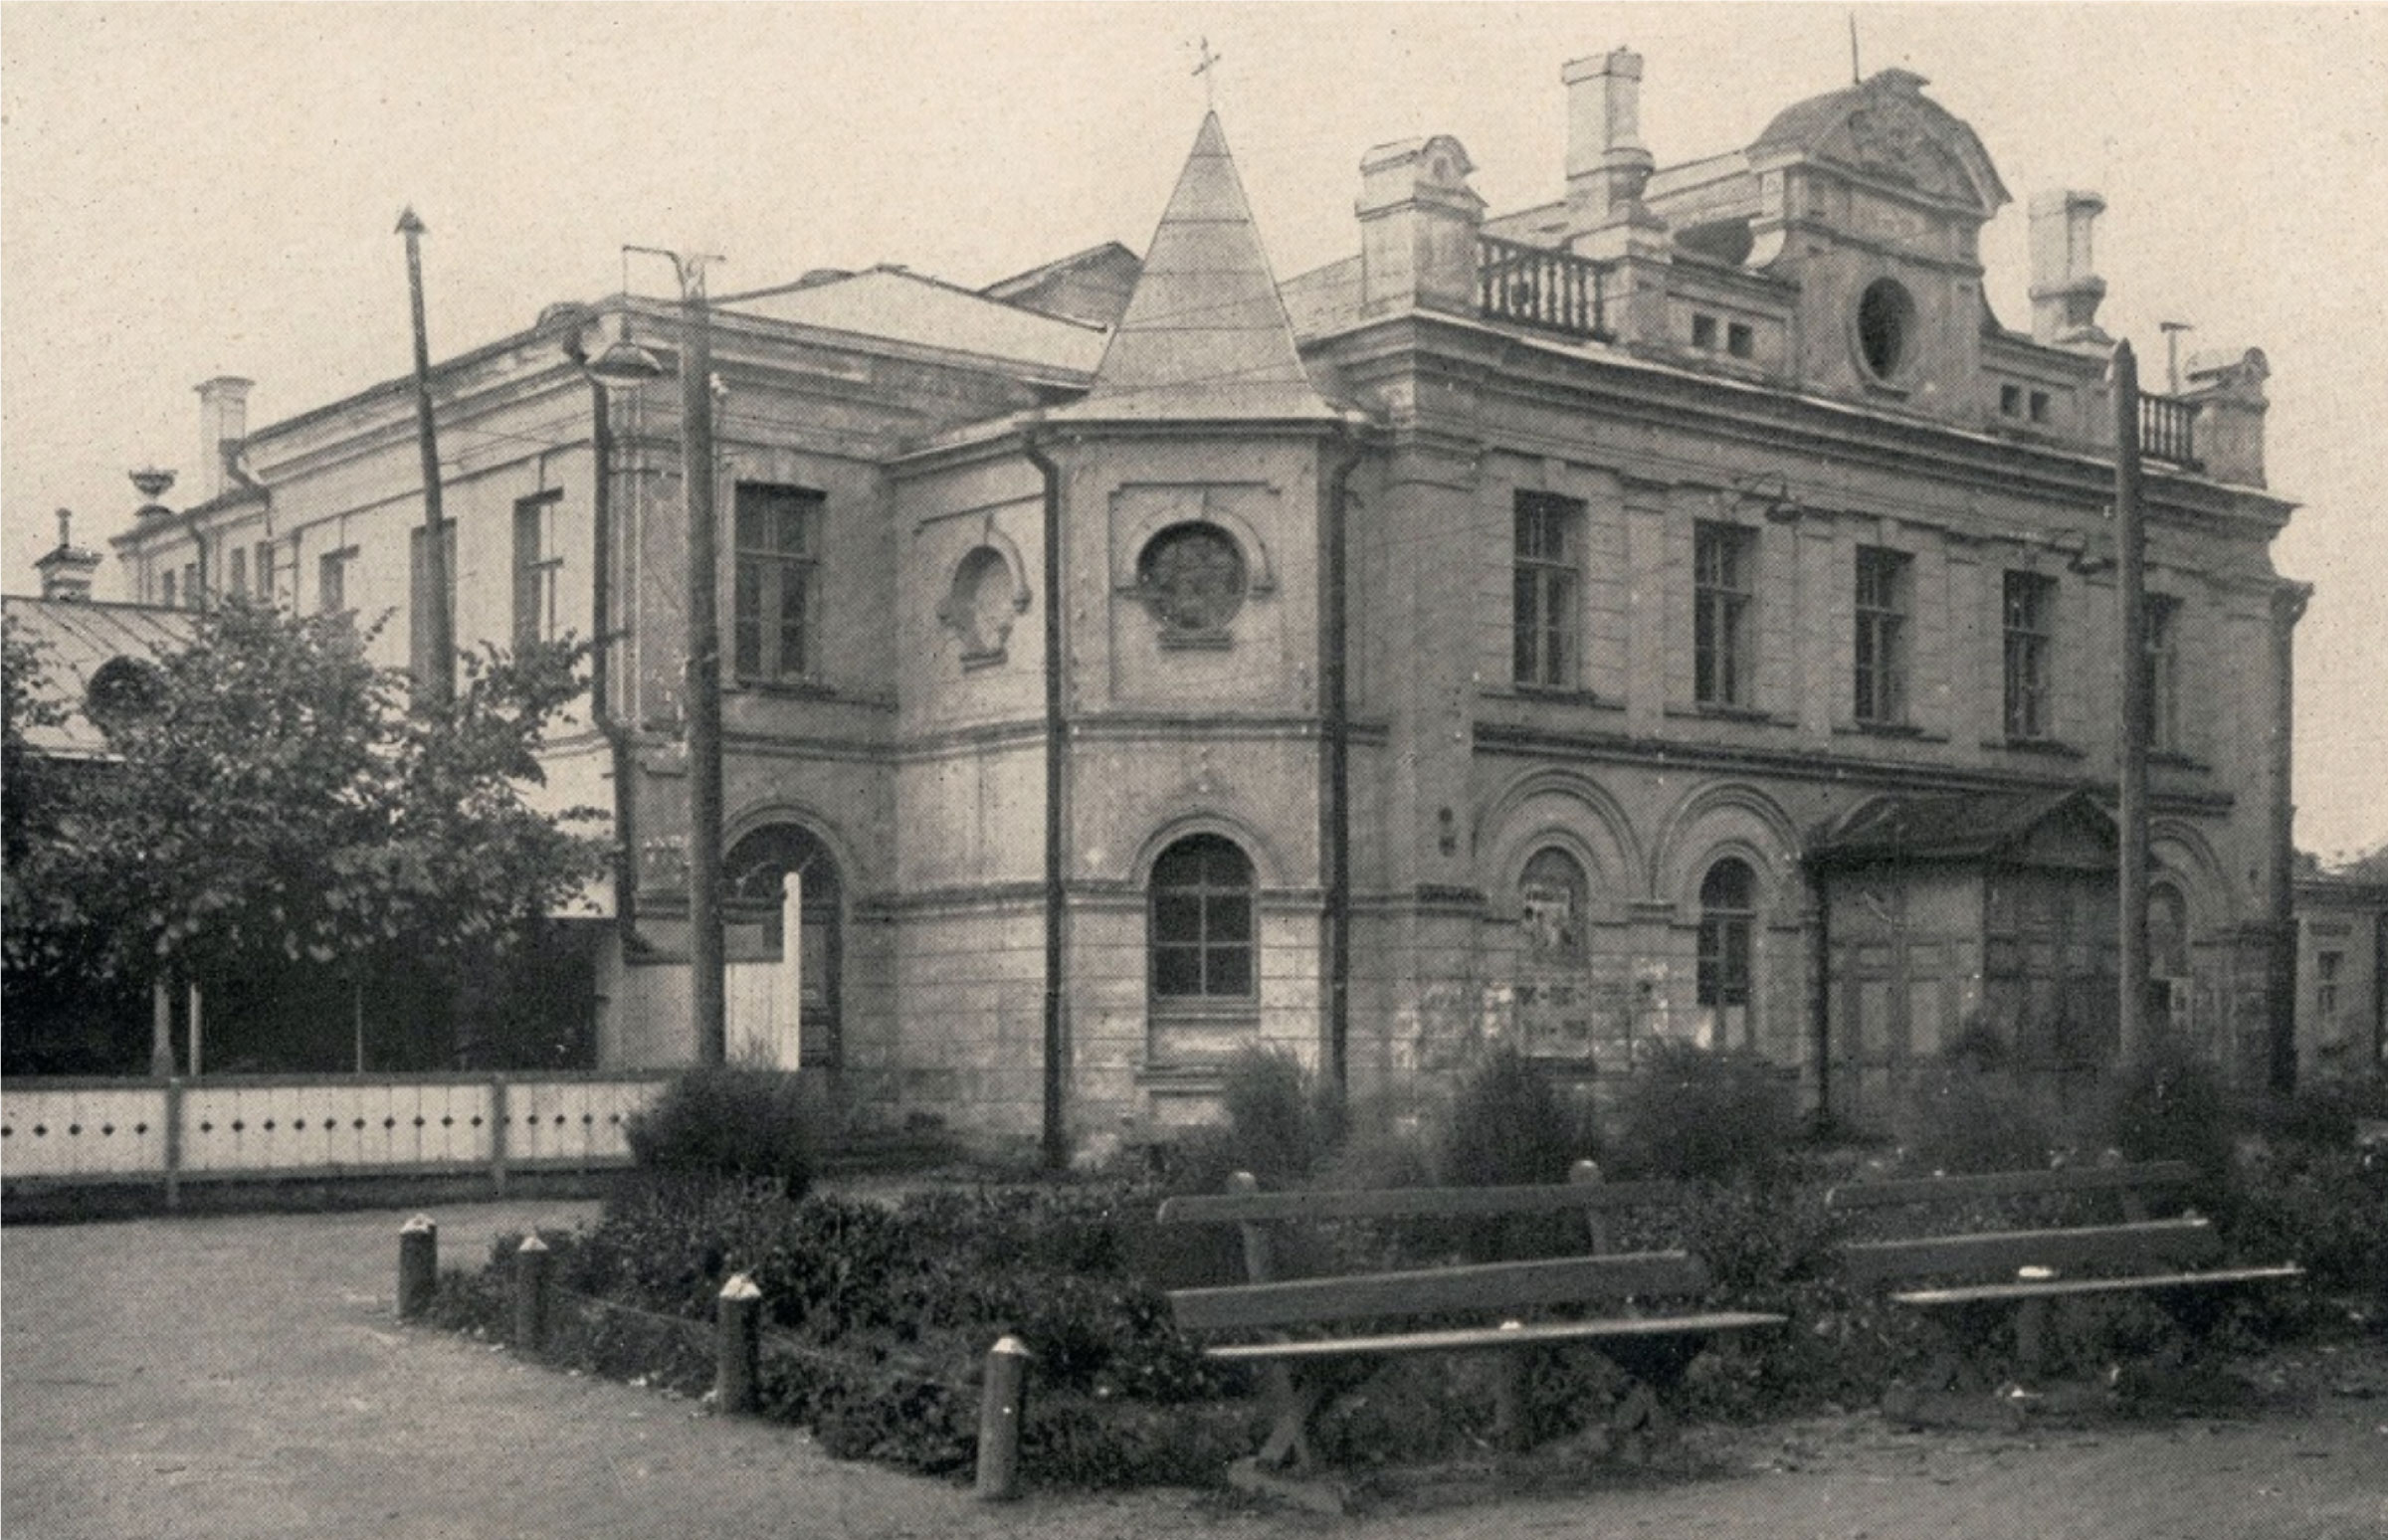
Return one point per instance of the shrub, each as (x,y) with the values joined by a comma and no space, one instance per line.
(1961,1115)
(1281,1122)
(1509,1127)
(2171,1105)
(726,1120)
(1693,1115)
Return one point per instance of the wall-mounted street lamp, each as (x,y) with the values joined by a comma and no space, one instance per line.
(623,365)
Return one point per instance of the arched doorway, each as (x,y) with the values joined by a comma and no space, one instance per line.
(774,1017)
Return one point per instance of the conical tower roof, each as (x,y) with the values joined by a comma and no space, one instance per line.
(1205,334)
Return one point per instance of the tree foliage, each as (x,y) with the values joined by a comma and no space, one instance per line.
(275,798)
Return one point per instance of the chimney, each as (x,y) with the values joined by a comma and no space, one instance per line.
(2227,390)
(1419,222)
(222,424)
(66,571)
(2066,287)
(1607,163)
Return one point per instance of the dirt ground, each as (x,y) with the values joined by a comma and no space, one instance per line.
(241,1377)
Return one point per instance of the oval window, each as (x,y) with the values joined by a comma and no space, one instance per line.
(1886,323)
(1192,576)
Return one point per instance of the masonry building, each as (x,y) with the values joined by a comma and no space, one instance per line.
(1680,609)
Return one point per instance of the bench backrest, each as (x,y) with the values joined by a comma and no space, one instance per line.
(1476,1287)
(2131,1186)
(1997,1255)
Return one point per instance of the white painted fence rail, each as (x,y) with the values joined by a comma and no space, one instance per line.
(250,1127)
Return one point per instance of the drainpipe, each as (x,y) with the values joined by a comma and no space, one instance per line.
(601,699)
(1820,995)
(1334,791)
(1056,765)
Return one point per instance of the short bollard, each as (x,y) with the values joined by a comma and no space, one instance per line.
(530,1296)
(418,1265)
(999,1420)
(735,1347)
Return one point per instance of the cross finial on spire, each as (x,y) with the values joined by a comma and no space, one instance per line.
(1207,69)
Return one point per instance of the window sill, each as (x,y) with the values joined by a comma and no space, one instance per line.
(2174,760)
(2051,747)
(1177,1011)
(983,658)
(1859,729)
(1196,641)
(1557,694)
(1716,712)
(799,689)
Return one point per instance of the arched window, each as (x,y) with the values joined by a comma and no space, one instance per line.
(754,897)
(1728,908)
(2168,990)
(1202,924)
(1554,984)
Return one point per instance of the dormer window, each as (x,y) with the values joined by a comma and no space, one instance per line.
(1885,326)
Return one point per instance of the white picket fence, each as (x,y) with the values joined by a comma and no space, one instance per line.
(236,1127)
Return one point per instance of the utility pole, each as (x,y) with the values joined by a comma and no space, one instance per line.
(2130,542)
(439,686)
(708,1007)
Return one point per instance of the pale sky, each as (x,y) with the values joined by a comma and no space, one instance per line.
(192,190)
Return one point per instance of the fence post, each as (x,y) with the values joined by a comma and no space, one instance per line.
(418,1265)
(736,1345)
(173,1151)
(497,1116)
(1586,1173)
(530,1296)
(999,1409)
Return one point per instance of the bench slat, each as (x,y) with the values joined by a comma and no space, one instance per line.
(2180,1242)
(2159,1175)
(1495,1337)
(1426,1292)
(1926,1298)
(1413,1202)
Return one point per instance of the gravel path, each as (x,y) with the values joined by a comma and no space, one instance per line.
(241,1377)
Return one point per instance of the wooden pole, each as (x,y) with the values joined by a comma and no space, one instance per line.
(418,1265)
(440,686)
(737,1345)
(162,1029)
(999,1409)
(2130,541)
(531,1294)
(708,1007)
(194,1026)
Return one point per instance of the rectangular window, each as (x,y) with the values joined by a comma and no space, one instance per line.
(421,659)
(1725,562)
(1703,331)
(265,571)
(2326,966)
(240,571)
(166,588)
(537,568)
(2039,406)
(194,593)
(1545,626)
(2163,674)
(2028,623)
(1882,635)
(777,539)
(2010,400)
(1739,340)
(332,581)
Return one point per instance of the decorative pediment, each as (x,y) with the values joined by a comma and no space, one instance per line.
(1887,129)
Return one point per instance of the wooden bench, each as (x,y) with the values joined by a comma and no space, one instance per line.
(1493,1299)
(1977,1282)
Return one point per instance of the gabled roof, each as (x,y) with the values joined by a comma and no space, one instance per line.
(1091,285)
(1961,826)
(78,639)
(904,307)
(1206,336)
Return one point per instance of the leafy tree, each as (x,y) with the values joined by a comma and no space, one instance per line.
(275,807)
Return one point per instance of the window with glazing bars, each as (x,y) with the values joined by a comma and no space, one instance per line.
(1724,559)
(1545,623)
(1202,921)
(2029,618)
(1882,635)
(778,540)
(2162,619)
(1727,909)
(538,566)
